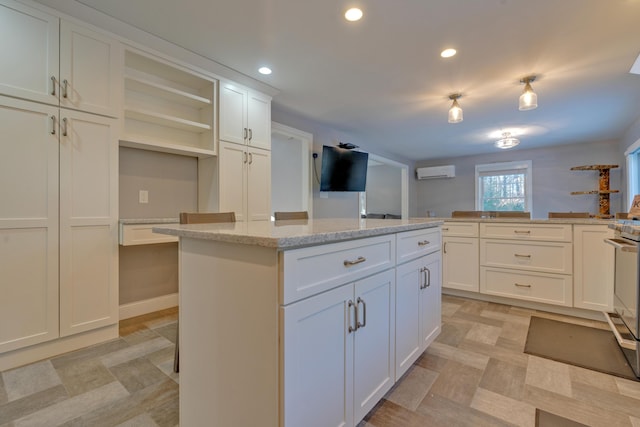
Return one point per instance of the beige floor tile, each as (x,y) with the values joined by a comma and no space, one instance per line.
(502,407)
(484,333)
(496,352)
(439,411)
(21,382)
(457,382)
(593,378)
(84,376)
(549,375)
(606,400)
(627,387)
(504,378)
(414,386)
(453,333)
(465,357)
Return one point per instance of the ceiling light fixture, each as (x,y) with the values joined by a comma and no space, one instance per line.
(507,141)
(264,70)
(353,14)
(528,99)
(448,53)
(455,112)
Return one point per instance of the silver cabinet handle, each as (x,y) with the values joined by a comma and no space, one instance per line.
(53,85)
(245,133)
(349,305)
(64,127)
(444,247)
(522,231)
(250,134)
(250,158)
(349,263)
(445,228)
(423,243)
(520,285)
(422,277)
(521,256)
(65,88)
(244,157)
(427,279)
(53,125)
(364,313)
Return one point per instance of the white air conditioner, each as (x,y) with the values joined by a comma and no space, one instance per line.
(446,171)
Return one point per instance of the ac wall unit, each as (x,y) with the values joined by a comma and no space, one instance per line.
(446,171)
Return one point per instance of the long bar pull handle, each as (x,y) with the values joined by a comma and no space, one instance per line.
(422,277)
(521,256)
(520,285)
(445,228)
(65,88)
(250,134)
(64,127)
(245,157)
(427,278)
(53,125)
(349,305)
(250,158)
(53,85)
(522,231)
(349,263)
(245,133)
(364,313)
(423,243)
(444,247)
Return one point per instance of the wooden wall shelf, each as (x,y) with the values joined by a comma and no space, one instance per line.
(603,191)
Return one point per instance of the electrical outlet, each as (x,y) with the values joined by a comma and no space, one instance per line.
(143,196)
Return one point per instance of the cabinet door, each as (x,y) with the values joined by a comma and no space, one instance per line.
(593,268)
(232,162)
(259,120)
(430,300)
(409,278)
(29,49)
(259,185)
(90,70)
(232,117)
(28,224)
(460,263)
(374,351)
(88,222)
(318,360)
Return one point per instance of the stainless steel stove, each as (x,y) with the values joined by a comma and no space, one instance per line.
(624,321)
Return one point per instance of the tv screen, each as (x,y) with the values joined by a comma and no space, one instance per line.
(343,170)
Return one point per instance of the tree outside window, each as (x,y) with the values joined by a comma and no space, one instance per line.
(504,186)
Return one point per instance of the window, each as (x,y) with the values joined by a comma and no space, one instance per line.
(504,186)
(633,171)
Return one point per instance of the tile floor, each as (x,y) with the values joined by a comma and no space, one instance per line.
(475,374)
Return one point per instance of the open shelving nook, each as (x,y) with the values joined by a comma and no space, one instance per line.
(603,191)
(167,107)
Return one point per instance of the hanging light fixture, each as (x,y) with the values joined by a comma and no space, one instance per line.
(528,99)
(507,141)
(455,112)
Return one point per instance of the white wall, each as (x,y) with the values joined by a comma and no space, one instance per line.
(287,183)
(383,183)
(553,181)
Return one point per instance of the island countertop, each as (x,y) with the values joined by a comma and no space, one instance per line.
(296,233)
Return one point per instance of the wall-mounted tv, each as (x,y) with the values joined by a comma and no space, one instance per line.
(343,170)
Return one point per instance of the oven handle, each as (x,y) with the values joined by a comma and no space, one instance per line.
(624,343)
(622,245)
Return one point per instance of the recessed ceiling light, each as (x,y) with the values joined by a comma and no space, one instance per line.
(448,53)
(264,70)
(353,14)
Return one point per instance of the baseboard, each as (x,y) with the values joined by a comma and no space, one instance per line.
(150,305)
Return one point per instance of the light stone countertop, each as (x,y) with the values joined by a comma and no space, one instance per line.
(594,221)
(296,233)
(127,221)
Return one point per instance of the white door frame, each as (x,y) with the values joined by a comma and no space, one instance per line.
(404,185)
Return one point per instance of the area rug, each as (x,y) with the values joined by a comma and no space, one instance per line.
(578,345)
(547,419)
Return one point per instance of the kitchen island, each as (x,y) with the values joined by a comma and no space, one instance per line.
(302,322)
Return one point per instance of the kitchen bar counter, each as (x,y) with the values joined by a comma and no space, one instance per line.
(586,221)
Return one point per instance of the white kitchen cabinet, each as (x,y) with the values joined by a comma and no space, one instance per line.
(56,62)
(460,256)
(245,116)
(338,353)
(593,267)
(28,224)
(244,181)
(418,312)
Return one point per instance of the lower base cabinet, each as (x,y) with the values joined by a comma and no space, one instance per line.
(339,353)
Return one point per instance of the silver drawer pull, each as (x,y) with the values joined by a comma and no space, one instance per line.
(424,243)
(520,285)
(445,228)
(349,263)
(522,231)
(521,256)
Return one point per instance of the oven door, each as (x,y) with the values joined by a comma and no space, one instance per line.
(625,300)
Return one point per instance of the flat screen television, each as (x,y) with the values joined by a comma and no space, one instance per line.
(343,170)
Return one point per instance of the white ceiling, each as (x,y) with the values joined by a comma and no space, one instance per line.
(382,80)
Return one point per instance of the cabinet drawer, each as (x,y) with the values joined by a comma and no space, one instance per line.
(413,244)
(541,287)
(460,229)
(142,234)
(549,232)
(545,257)
(309,271)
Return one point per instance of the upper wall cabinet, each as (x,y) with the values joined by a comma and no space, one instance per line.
(245,116)
(56,62)
(168,107)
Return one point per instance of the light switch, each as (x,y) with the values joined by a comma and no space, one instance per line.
(143,196)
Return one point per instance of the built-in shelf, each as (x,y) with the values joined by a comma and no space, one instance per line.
(168,107)
(603,191)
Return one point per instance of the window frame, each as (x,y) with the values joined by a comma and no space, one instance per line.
(525,165)
(632,155)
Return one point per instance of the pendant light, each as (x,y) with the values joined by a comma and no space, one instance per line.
(507,141)
(528,99)
(455,112)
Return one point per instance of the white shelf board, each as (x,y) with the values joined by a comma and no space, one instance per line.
(135,141)
(167,92)
(166,120)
